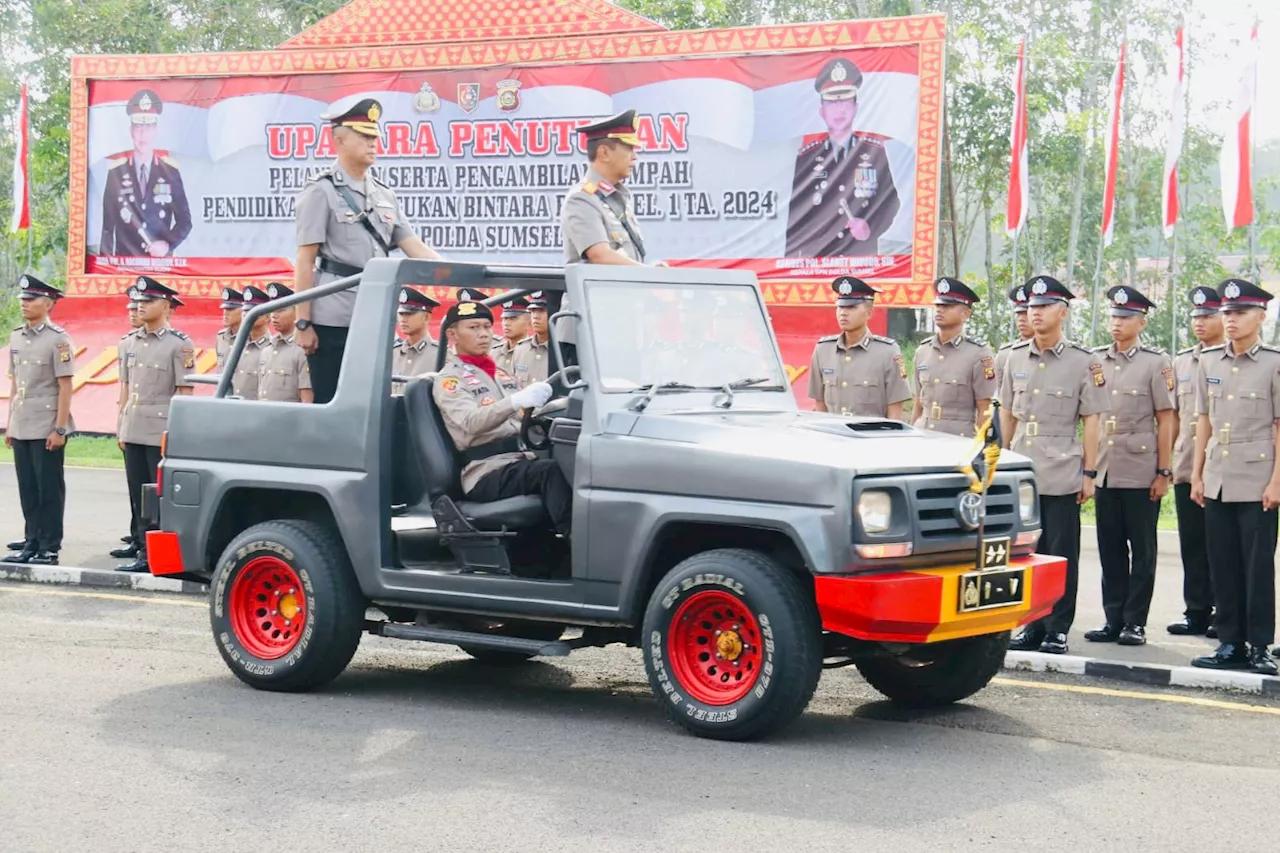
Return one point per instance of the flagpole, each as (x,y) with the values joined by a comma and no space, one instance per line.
(1013,282)
(1173,314)
(1097,280)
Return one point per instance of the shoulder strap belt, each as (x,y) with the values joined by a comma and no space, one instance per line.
(362,215)
(493,448)
(631,232)
(336,268)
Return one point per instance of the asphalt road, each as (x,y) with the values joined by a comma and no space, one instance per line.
(98,514)
(123,731)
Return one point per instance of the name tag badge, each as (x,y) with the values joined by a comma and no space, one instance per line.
(1214,380)
(1019,376)
(383,204)
(1184,378)
(828,370)
(922,367)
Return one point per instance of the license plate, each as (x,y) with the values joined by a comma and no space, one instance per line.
(995,553)
(985,590)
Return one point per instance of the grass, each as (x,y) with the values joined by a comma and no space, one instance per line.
(85,451)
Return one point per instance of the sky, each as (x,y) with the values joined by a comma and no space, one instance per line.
(1226,23)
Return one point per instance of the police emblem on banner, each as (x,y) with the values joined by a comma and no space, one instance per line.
(508,95)
(468,97)
(426,101)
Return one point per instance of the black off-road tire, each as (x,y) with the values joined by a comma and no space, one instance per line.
(333,615)
(938,673)
(736,589)
(525,629)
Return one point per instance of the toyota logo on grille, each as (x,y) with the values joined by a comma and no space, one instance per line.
(968,509)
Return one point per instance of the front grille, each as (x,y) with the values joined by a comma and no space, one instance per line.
(935,506)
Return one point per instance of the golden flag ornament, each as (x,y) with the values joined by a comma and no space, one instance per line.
(984,454)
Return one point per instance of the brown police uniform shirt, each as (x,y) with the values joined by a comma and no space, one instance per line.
(1241,396)
(412,359)
(155,367)
(38,357)
(283,371)
(530,361)
(1141,382)
(477,410)
(1002,358)
(952,377)
(503,353)
(1048,392)
(1185,367)
(244,383)
(222,345)
(864,379)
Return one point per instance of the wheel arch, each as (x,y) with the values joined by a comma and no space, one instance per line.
(242,506)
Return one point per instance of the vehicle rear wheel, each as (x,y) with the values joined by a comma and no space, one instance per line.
(938,673)
(732,645)
(526,630)
(285,608)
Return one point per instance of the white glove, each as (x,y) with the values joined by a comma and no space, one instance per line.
(532,396)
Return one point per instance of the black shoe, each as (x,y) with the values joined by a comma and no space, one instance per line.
(127,539)
(23,556)
(1026,640)
(1260,661)
(1054,644)
(1133,635)
(1105,634)
(1211,632)
(17,545)
(126,553)
(44,558)
(1227,656)
(137,566)
(1189,627)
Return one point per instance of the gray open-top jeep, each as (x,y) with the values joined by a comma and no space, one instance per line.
(741,543)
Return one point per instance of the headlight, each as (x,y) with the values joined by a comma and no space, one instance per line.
(875,508)
(1026,500)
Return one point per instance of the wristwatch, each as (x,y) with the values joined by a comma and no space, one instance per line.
(303,324)
(1164,472)
(61,431)
(1091,473)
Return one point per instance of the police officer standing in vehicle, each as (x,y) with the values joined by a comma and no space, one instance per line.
(232,306)
(1051,386)
(856,372)
(42,361)
(531,356)
(415,352)
(157,361)
(346,217)
(1236,479)
(1197,585)
(1018,296)
(955,375)
(283,373)
(515,328)
(1133,469)
(244,383)
(481,409)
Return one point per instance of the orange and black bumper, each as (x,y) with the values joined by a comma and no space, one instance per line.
(926,605)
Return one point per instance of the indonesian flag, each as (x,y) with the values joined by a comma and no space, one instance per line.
(1235,164)
(1112,151)
(21,173)
(1019,198)
(1177,126)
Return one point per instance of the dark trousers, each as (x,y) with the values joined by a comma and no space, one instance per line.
(42,492)
(1060,537)
(140,461)
(326,361)
(541,477)
(1241,539)
(1197,583)
(1127,548)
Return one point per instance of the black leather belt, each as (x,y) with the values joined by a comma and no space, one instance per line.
(336,267)
(493,448)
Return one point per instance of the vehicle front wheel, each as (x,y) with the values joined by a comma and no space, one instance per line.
(938,673)
(732,645)
(285,608)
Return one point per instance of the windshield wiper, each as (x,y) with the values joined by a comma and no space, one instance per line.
(639,404)
(724,400)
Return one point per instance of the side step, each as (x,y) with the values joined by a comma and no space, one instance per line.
(493,642)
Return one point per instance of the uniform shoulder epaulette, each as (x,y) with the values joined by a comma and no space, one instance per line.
(973,340)
(18,328)
(166,158)
(1185,351)
(57,329)
(178,334)
(1155,350)
(877,138)
(883,339)
(118,159)
(326,175)
(1006,345)
(929,340)
(1020,344)
(828,339)
(589,187)
(812,142)
(1102,348)
(1214,349)
(399,342)
(1270,348)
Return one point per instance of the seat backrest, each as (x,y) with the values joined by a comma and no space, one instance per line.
(437,455)
(407,484)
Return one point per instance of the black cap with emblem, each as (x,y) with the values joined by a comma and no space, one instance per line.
(1047,290)
(150,290)
(465,311)
(412,301)
(362,117)
(1205,301)
(953,291)
(621,127)
(467,294)
(850,291)
(144,107)
(31,287)
(538,300)
(519,305)
(1018,296)
(839,80)
(254,296)
(1238,294)
(231,298)
(1127,302)
(276,290)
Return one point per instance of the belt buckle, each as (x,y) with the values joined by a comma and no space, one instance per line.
(1032,429)
(1110,426)
(1194,424)
(1224,436)
(935,412)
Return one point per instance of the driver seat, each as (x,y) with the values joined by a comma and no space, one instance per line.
(442,474)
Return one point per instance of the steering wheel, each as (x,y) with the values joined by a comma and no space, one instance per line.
(535,427)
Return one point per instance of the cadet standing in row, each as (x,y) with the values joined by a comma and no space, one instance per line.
(1236,478)
(1197,586)
(856,372)
(532,356)
(955,375)
(283,373)
(1050,387)
(515,328)
(130,549)
(1133,469)
(1018,296)
(157,361)
(244,384)
(232,306)
(415,353)
(41,363)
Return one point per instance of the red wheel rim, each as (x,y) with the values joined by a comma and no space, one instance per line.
(267,607)
(715,648)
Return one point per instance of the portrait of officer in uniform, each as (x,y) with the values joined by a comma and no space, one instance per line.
(42,360)
(1133,469)
(1197,585)
(144,205)
(856,372)
(283,373)
(415,351)
(955,374)
(1236,479)
(842,195)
